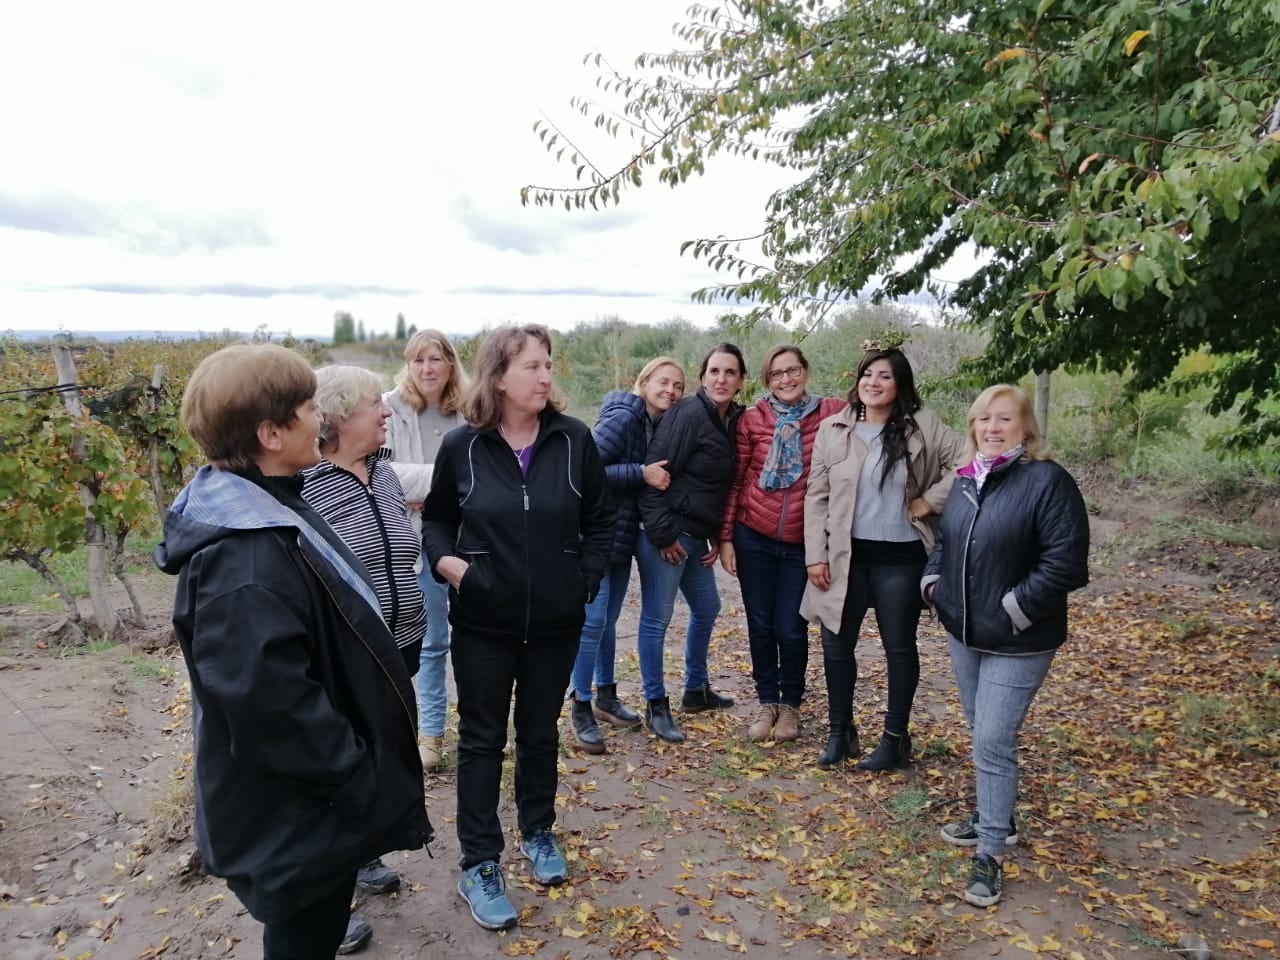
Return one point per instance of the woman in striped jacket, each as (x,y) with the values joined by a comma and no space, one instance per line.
(356,490)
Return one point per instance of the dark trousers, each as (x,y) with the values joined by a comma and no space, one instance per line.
(314,932)
(894,591)
(772,577)
(491,672)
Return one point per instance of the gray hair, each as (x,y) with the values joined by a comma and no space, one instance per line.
(339,390)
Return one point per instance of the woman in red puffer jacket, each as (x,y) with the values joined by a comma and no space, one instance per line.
(762,537)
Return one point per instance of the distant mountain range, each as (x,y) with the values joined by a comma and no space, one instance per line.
(111,336)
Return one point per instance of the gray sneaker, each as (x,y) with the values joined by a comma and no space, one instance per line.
(965,833)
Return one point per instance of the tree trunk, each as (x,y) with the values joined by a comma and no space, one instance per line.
(36,563)
(1042,402)
(117,567)
(95,538)
(153,444)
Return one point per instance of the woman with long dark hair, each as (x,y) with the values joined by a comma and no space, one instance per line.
(677,551)
(881,471)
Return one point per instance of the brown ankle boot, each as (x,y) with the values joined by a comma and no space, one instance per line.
(762,723)
(787,727)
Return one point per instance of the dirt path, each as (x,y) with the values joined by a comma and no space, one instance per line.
(1151,764)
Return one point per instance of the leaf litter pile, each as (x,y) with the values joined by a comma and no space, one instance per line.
(1147,810)
(1147,818)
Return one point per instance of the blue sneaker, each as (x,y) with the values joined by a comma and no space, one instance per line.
(544,853)
(486,894)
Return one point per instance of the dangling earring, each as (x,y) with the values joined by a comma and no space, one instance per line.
(862,412)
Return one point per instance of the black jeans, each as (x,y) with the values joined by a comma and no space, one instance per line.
(314,932)
(490,671)
(894,591)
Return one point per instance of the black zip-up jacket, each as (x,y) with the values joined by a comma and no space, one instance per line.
(699,449)
(1007,557)
(537,545)
(306,760)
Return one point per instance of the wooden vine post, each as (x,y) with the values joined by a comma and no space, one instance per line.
(95,537)
(153,445)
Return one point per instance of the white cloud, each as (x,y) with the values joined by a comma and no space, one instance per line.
(328,154)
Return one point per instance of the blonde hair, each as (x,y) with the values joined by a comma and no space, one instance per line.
(407,389)
(1032,443)
(652,367)
(339,390)
(482,405)
(231,392)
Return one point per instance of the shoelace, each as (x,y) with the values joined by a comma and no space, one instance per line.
(491,882)
(541,845)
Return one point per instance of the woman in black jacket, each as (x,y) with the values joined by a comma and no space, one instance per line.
(677,552)
(519,524)
(306,762)
(1014,541)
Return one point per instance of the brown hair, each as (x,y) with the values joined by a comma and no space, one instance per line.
(231,392)
(774,353)
(455,386)
(1031,443)
(482,406)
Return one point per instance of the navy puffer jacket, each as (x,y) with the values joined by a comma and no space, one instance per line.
(622,436)
(1007,557)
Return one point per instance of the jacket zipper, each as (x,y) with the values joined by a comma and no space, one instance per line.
(360,636)
(964,568)
(782,514)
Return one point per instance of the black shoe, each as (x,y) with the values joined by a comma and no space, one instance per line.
(611,710)
(704,698)
(357,936)
(657,714)
(376,877)
(965,833)
(892,751)
(985,882)
(588,735)
(842,744)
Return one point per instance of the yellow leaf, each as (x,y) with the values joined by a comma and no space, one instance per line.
(1126,263)
(1084,164)
(571,932)
(1274,135)
(1144,188)
(1265,944)
(1135,38)
(1012,53)
(1242,885)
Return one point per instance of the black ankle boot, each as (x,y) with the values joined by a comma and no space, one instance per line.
(893,750)
(610,709)
(704,698)
(842,744)
(657,714)
(589,737)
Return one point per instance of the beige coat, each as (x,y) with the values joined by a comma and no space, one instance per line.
(935,451)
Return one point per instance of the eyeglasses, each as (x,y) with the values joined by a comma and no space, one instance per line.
(792,372)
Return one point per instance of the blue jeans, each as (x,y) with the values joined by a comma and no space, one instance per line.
(433,700)
(599,640)
(659,582)
(996,691)
(773,577)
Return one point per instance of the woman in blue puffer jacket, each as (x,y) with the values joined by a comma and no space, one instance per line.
(622,433)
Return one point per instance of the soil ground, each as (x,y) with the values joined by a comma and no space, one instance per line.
(1151,767)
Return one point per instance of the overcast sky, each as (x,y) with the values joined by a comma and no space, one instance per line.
(172,166)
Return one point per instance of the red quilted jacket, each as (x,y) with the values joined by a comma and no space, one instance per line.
(773,513)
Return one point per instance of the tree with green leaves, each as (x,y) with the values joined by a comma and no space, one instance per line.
(401,333)
(1115,164)
(344,328)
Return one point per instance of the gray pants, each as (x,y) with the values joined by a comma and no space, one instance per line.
(996,691)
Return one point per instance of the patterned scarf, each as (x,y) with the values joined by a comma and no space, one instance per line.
(784,464)
(983,466)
